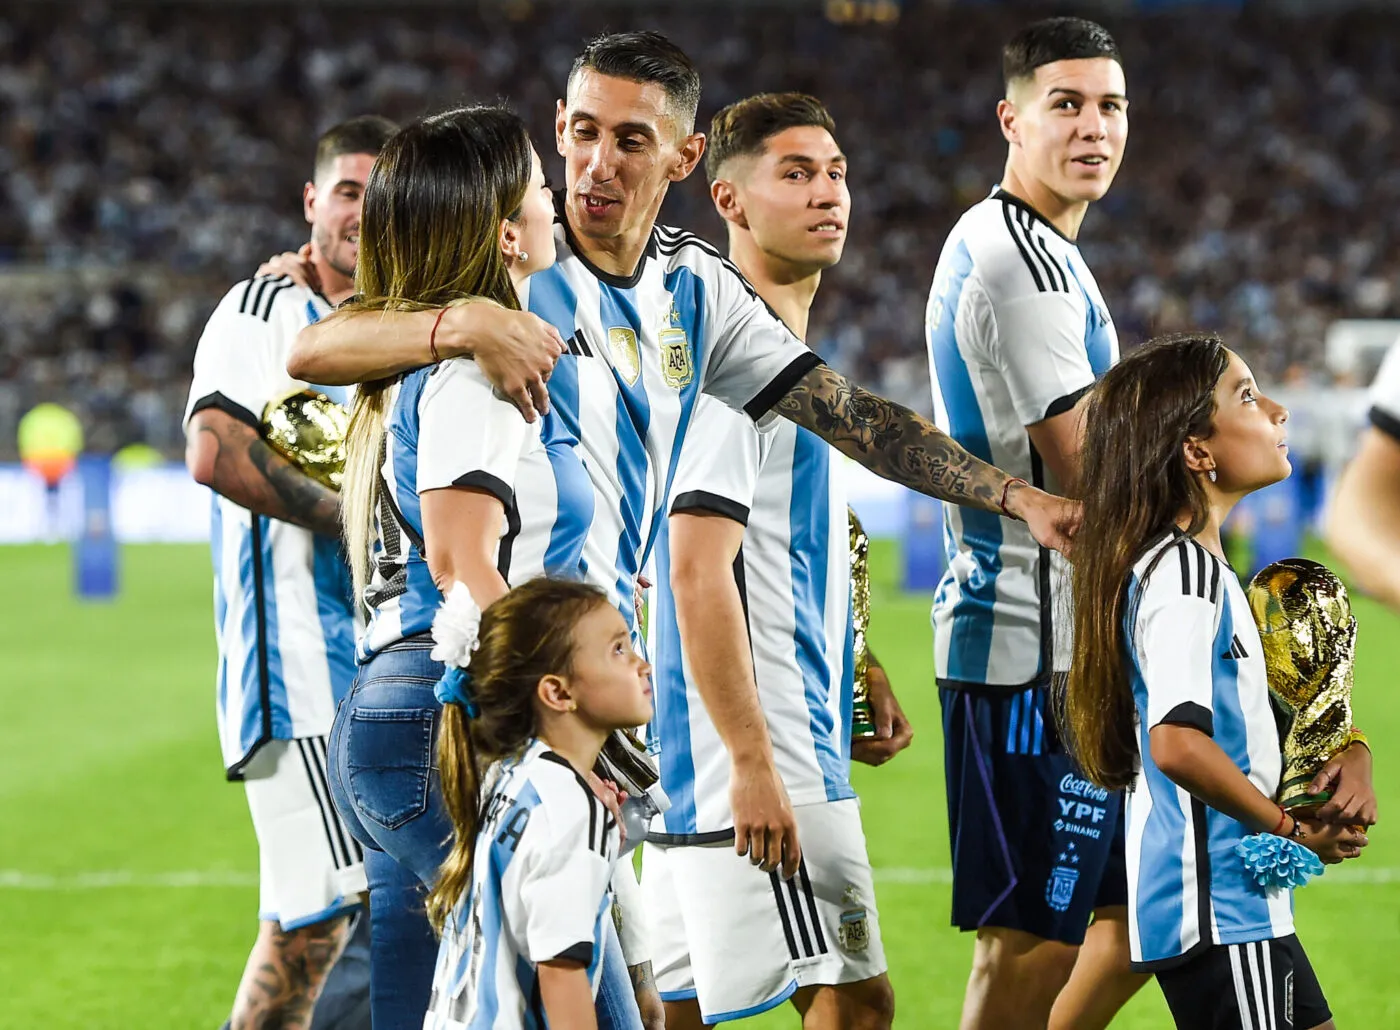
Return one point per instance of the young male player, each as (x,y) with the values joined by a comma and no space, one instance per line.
(1017,333)
(284,617)
(754,585)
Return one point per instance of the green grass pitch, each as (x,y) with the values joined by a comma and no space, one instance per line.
(126,895)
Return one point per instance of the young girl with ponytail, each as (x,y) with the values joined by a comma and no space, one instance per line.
(1168,693)
(522,899)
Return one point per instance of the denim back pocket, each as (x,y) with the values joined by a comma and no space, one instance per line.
(390,761)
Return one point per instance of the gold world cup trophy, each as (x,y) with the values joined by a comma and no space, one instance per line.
(862,714)
(308,429)
(1309,637)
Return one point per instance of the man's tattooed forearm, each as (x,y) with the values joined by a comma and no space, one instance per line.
(307,501)
(891,440)
(248,472)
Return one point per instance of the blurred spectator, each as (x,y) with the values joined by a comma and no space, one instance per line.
(1259,195)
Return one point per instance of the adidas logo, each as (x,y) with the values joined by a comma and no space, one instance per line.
(1236,651)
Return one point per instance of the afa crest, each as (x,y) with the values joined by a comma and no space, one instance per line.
(676,367)
(627,360)
(853,933)
(677,370)
(1059,890)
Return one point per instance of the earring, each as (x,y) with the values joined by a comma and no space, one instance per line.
(1211,474)
(573,706)
(523,257)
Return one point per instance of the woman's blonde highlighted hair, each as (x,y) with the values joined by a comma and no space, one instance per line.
(429,238)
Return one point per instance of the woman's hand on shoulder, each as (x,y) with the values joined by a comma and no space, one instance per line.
(516,350)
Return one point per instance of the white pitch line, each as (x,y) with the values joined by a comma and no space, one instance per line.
(14,879)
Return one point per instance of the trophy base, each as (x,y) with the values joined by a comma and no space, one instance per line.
(862,721)
(1293,795)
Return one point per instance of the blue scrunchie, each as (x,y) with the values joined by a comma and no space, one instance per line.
(455,688)
(1274,861)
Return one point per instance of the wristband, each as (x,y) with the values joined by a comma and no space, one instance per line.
(432,336)
(1282,818)
(1357,737)
(1005,490)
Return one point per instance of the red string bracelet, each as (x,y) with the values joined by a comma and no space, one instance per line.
(1282,818)
(432,337)
(1006,489)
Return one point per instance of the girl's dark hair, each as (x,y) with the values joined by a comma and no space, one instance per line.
(526,635)
(429,237)
(1135,484)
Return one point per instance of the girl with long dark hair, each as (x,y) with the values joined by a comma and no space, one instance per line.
(1167,693)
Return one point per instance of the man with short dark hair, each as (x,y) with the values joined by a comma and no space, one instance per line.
(753,638)
(284,616)
(1017,332)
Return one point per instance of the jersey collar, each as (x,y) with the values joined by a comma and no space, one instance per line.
(1007,198)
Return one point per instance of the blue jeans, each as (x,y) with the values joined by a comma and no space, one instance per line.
(384,779)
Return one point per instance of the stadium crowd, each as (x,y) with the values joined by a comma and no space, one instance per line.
(1259,195)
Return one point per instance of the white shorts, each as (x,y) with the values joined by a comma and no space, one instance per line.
(309,867)
(741,941)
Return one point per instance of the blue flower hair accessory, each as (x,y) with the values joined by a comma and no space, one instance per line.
(1274,861)
(456,628)
(455,687)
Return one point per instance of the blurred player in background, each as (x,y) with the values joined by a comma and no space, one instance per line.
(1363,522)
(752,639)
(1017,333)
(284,616)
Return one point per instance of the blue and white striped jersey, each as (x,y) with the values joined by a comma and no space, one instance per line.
(793,573)
(283,611)
(445,427)
(1017,331)
(544,854)
(1196,661)
(641,351)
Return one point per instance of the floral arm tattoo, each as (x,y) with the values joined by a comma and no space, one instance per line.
(890,440)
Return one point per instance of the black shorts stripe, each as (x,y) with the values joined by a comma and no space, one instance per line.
(811,906)
(777,885)
(799,918)
(352,846)
(1025,255)
(308,761)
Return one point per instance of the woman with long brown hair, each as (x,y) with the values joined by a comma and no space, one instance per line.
(1167,694)
(444,484)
